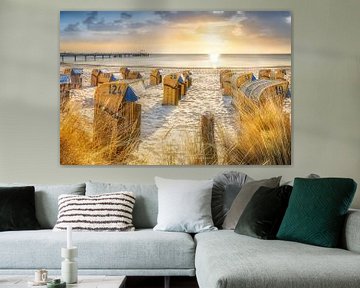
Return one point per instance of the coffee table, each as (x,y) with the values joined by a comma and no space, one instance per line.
(83,282)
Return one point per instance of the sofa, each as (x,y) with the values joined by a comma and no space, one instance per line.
(219,259)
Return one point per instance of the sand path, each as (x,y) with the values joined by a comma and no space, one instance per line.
(164,124)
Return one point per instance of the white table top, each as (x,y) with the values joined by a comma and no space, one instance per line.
(84,281)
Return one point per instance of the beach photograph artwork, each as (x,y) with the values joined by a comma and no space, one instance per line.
(175,88)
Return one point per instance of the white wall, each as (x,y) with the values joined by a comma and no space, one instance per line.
(326,90)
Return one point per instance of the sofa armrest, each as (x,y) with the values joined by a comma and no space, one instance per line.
(351,234)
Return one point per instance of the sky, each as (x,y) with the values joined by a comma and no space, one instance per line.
(179,32)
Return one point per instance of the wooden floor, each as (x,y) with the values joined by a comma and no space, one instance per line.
(158,282)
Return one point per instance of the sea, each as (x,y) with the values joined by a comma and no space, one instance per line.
(190,60)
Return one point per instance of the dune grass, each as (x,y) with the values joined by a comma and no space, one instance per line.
(79,147)
(264,136)
(75,141)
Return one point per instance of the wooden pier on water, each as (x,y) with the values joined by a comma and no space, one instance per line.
(95,56)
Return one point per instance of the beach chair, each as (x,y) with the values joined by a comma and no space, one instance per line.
(75,76)
(263,90)
(222,73)
(155,77)
(172,89)
(134,75)
(187,76)
(226,83)
(65,83)
(264,74)
(117,115)
(99,76)
(124,71)
(183,85)
(279,74)
(276,74)
(127,74)
(239,79)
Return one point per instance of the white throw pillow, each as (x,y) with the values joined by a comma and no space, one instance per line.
(104,212)
(184,205)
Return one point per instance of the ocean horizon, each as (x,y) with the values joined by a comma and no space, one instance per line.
(190,60)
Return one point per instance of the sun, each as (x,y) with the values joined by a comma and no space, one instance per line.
(214,58)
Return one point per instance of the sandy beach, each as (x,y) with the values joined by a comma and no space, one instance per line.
(168,126)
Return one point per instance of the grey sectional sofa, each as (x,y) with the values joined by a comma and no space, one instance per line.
(219,259)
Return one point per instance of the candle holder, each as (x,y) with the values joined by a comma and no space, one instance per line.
(68,265)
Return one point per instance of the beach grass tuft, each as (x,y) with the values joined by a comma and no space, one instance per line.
(75,141)
(79,147)
(264,136)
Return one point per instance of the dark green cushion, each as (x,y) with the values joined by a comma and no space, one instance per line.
(263,214)
(316,211)
(17,208)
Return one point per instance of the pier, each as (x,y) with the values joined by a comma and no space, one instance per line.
(94,56)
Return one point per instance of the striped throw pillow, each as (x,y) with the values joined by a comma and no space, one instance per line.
(105,212)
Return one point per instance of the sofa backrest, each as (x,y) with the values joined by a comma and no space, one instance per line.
(46,200)
(146,203)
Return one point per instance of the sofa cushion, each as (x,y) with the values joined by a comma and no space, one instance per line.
(17,208)
(105,212)
(226,187)
(225,259)
(243,198)
(146,204)
(143,249)
(46,200)
(317,210)
(350,239)
(184,205)
(263,215)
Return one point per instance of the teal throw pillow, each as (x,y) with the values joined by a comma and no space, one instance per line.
(316,211)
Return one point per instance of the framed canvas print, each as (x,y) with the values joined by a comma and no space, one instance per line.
(175,87)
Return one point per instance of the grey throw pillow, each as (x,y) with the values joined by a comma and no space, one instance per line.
(184,205)
(226,187)
(242,199)
(310,176)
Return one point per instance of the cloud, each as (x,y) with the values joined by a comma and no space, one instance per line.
(164,14)
(122,25)
(115,26)
(100,25)
(72,27)
(126,15)
(136,25)
(91,18)
(266,24)
(237,31)
(186,16)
